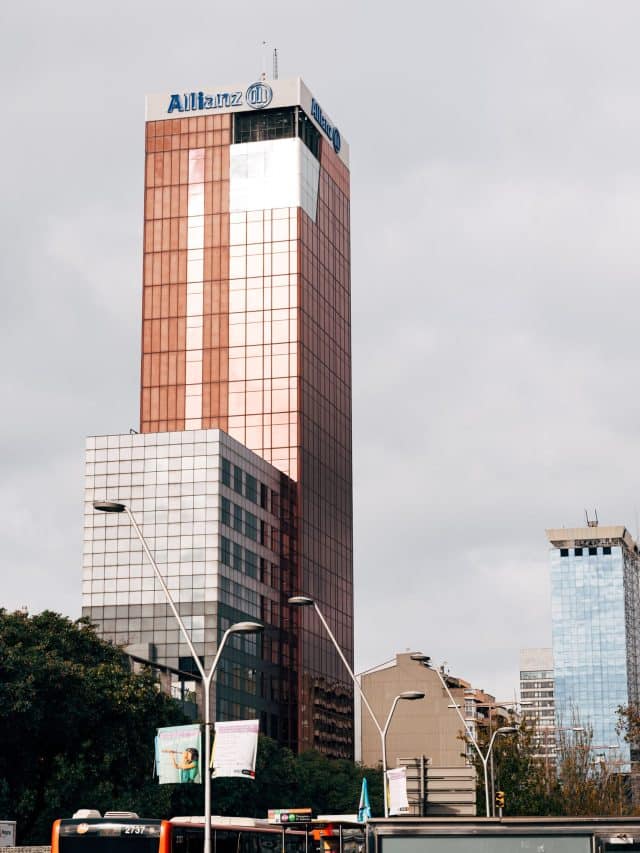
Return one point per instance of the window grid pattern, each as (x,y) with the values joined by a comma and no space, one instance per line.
(594,603)
(325,486)
(173,484)
(186,238)
(263,333)
(276,371)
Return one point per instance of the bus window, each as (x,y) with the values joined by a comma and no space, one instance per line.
(106,836)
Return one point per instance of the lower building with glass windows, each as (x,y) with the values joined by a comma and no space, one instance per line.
(537,699)
(595,621)
(220,522)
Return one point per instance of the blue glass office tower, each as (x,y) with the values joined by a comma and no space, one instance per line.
(595,620)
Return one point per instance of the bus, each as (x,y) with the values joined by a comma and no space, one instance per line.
(503,835)
(124,832)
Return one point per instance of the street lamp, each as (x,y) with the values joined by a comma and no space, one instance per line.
(409,695)
(307,601)
(503,730)
(505,705)
(207,677)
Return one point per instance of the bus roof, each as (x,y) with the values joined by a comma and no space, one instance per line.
(220,820)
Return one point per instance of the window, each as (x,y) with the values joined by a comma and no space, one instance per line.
(593,552)
(237,518)
(237,479)
(308,133)
(225,512)
(251,563)
(285,123)
(251,488)
(225,551)
(226,472)
(265,124)
(578,552)
(606,550)
(564,552)
(237,557)
(264,496)
(251,526)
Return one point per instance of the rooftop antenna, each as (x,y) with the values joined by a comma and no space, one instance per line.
(263,62)
(594,521)
(275,63)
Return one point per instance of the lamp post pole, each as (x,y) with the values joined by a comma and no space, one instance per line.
(503,730)
(307,601)
(408,695)
(207,677)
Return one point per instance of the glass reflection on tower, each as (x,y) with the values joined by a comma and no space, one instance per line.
(595,621)
(246,328)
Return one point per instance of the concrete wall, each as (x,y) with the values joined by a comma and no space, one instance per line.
(423,727)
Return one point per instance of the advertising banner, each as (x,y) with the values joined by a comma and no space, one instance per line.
(397,791)
(234,749)
(178,751)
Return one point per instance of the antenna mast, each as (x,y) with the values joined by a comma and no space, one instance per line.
(263,62)
(275,63)
(594,521)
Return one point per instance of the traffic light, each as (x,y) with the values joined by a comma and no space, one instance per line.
(499,799)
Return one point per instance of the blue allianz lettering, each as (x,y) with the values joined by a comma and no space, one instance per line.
(194,101)
(332,132)
(259,95)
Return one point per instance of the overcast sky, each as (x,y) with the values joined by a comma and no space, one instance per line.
(495,210)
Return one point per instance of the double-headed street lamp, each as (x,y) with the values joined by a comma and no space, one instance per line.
(207,677)
(503,730)
(409,695)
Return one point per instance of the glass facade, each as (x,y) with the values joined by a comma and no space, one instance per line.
(218,520)
(246,329)
(595,610)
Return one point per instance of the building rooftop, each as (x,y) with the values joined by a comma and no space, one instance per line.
(567,537)
(240,97)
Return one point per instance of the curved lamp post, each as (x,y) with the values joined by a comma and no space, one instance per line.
(307,601)
(503,730)
(409,695)
(207,677)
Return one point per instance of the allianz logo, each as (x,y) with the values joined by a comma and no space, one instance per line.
(258,96)
(332,132)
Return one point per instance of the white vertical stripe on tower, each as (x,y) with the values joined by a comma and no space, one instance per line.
(195,279)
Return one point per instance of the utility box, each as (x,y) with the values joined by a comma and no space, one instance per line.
(7,833)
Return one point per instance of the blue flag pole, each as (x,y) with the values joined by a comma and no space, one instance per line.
(364,809)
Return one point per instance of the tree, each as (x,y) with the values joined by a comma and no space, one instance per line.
(77,729)
(575,782)
(528,782)
(284,780)
(590,784)
(76,725)
(578,782)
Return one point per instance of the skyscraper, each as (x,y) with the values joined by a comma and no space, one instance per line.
(246,330)
(595,619)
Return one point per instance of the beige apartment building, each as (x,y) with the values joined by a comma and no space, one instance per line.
(430,728)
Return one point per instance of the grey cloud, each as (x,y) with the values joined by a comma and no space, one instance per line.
(495,204)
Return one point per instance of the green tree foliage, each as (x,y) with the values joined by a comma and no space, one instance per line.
(76,725)
(77,730)
(579,782)
(284,780)
(527,781)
